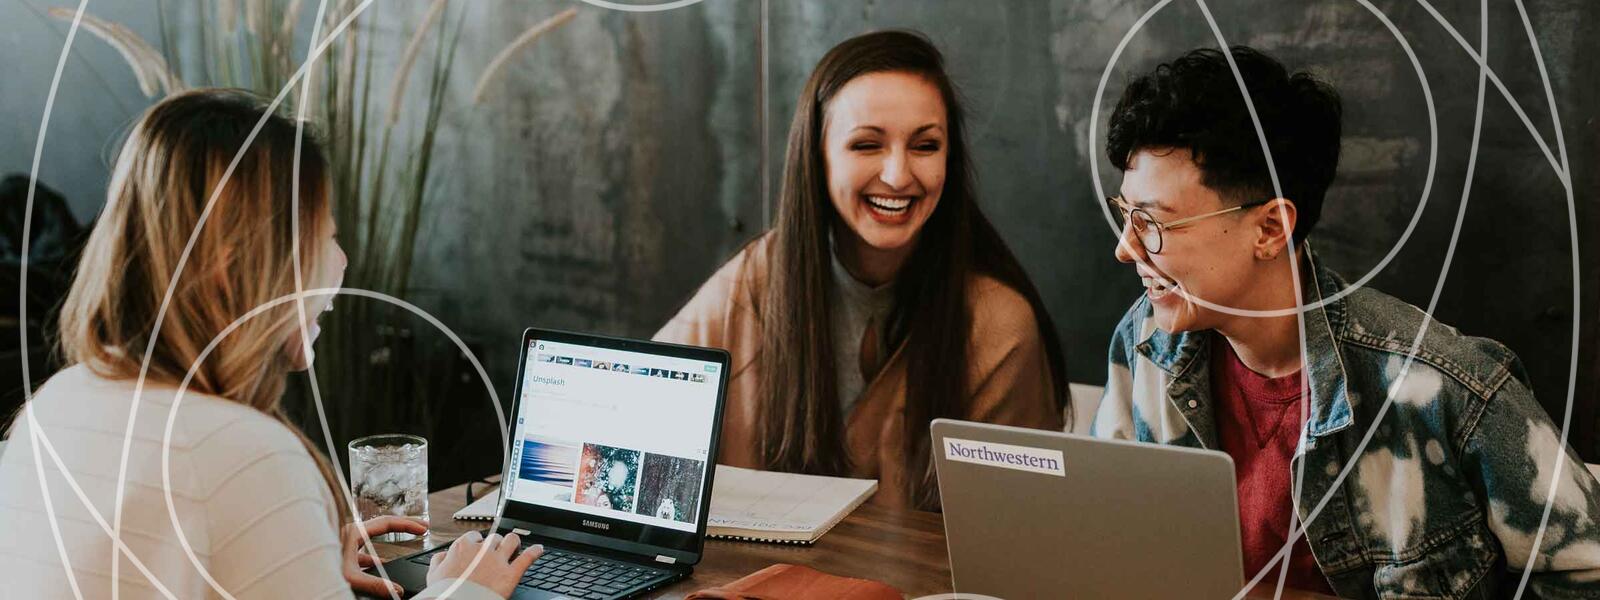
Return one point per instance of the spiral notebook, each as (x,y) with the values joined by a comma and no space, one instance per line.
(481,509)
(784,508)
(758,506)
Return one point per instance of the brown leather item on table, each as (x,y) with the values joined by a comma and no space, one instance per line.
(786,582)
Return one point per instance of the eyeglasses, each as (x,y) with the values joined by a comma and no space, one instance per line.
(1150,230)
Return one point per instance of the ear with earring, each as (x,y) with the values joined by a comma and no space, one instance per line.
(1282,217)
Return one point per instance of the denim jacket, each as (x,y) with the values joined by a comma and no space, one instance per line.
(1445,500)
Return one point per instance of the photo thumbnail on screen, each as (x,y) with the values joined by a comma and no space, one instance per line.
(548,469)
(671,487)
(608,477)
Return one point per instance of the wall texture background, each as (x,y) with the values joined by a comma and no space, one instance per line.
(618,163)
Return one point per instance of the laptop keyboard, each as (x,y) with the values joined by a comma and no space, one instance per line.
(589,577)
(582,575)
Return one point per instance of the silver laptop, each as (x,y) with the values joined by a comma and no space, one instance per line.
(1042,514)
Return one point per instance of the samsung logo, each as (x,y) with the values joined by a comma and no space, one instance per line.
(597,525)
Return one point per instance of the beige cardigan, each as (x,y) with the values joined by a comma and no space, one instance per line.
(1009,371)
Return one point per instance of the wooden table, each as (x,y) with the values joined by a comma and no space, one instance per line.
(902,548)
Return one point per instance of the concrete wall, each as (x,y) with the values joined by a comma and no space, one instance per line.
(619,162)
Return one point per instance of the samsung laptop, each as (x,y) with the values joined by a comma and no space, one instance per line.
(1043,514)
(613,445)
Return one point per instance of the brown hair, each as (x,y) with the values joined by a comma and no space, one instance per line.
(169,167)
(800,416)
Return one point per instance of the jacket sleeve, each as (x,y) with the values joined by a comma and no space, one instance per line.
(721,314)
(705,319)
(697,323)
(1114,417)
(1511,455)
(1010,377)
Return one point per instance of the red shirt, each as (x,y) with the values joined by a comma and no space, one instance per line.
(1258,424)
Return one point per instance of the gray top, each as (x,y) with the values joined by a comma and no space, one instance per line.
(855,305)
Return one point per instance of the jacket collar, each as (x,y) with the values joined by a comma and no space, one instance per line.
(1324,362)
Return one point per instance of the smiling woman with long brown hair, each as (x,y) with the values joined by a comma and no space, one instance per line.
(221,495)
(882,298)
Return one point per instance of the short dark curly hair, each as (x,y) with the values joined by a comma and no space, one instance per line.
(1193,103)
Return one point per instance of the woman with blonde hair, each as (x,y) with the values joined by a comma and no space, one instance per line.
(228,499)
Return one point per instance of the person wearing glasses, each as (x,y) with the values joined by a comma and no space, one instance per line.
(1379,453)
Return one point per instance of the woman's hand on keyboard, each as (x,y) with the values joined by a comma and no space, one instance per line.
(500,569)
(355,559)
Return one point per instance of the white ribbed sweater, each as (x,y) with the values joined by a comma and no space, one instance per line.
(245,494)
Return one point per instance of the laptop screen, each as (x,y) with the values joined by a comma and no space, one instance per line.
(612,433)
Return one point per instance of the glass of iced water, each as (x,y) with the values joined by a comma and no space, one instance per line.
(389,475)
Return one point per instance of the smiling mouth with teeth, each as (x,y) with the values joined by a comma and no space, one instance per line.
(889,206)
(1158,287)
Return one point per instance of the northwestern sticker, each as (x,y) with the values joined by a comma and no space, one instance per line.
(1006,456)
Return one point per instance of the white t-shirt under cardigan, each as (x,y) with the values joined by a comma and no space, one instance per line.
(245,493)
